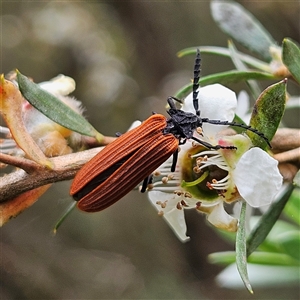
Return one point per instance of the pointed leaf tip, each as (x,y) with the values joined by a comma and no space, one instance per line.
(291,57)
(267,113)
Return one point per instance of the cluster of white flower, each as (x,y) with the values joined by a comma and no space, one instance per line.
(205,179)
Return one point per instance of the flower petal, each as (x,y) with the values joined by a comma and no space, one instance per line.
(59,85)
(257,177)
(134,124)
(173,216)
(243,106)
(216,102)
(221,219)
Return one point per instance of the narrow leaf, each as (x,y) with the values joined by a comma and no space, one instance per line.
(234,76)
(63,217)
(292,208)
(267,113)
(271,258)
(239,24)
(272,242)
(241,254)
(55,109)
(221,51)
(290,244)
(227,77)
(297,179)
(222,258)
(237,119)
(291,57)
(267,221)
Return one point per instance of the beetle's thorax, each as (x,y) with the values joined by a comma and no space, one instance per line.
(182,124)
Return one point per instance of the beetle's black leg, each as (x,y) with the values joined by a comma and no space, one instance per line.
(210,146)
(171,103)
(176,99)
(174,162)
(146,182)
(247,127)
(196,82)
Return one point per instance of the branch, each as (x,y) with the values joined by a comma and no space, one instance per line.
(65,168)
(20,162)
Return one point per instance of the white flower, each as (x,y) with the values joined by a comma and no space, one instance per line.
(204,179)
(215,102)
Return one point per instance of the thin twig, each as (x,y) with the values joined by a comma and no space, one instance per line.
(288,156)
(65,168)
(20,162)
(286,139)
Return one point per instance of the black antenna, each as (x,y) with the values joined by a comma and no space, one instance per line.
(197,71)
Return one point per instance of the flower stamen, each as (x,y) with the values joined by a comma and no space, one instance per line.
(215,158)
(220,184)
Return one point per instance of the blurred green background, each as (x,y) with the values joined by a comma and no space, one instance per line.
(122,56)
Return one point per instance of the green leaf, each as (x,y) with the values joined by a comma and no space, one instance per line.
(239,24)
(184,91)
(259,257)
(267,113)
(281,226)
(297,179)
(227,77)
(291,57)
(222,258)
(270,258)
(241,253)
(55,109)
(221,51)
(238,120)
(64,216)
(272,241)
(267,221)
(292,208)
(290,244)
(234,76)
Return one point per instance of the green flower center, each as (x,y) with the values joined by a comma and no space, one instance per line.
(204,173)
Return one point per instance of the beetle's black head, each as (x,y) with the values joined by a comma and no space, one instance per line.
(181,124)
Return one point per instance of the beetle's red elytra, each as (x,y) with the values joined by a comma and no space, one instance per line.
(123,164)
